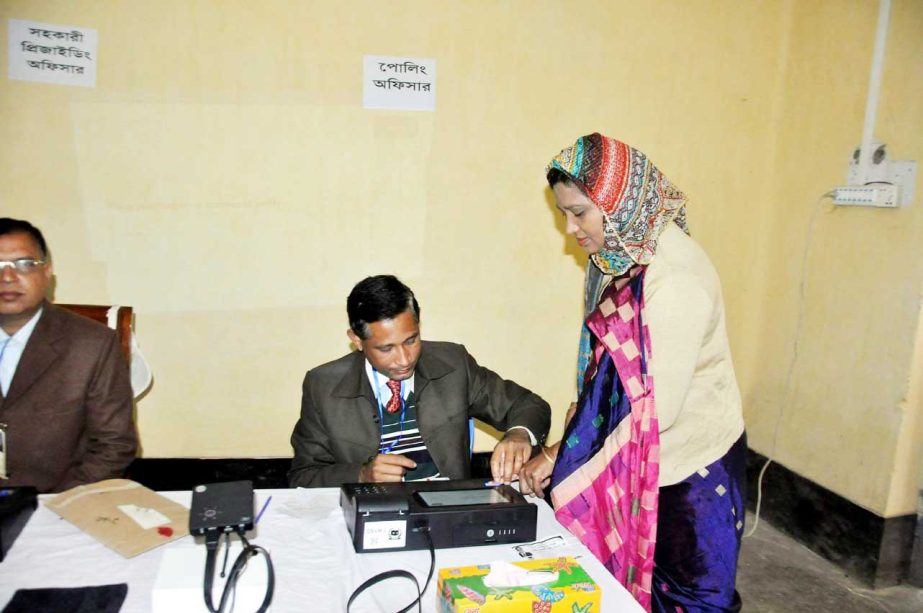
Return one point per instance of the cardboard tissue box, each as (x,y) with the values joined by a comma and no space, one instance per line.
(550,585)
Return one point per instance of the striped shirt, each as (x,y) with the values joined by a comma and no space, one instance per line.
(399,431)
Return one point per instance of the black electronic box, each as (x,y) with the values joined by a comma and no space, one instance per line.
(16,507)
(388,516)
(221,506)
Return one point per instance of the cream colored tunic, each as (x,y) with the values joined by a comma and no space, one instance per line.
(698,401)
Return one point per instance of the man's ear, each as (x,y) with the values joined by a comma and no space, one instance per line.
(354,338)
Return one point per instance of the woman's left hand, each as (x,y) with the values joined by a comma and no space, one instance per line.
(536,474)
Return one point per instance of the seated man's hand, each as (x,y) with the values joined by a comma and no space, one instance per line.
(536,474)
(509,455)
(385,467)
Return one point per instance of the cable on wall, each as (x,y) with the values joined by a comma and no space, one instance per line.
(787,387)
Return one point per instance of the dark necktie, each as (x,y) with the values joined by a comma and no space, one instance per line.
(394,405)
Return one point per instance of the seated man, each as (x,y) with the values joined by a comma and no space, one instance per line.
(398,408)
(66,403)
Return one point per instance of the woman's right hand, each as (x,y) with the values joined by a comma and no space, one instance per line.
(535,474)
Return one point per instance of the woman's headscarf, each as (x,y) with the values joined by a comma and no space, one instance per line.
(637,201)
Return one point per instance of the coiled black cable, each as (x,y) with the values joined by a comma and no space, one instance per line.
(212,538)
(391,574)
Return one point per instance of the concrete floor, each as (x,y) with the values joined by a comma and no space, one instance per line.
(776,574)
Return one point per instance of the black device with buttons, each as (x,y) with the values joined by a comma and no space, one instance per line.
(221,506)
(464,513)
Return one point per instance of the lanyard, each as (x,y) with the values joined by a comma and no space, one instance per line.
(381,415)
(2,351)
(3,441)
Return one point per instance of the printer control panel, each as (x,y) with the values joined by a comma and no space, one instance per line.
(380,498)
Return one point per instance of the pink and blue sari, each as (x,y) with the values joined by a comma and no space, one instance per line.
(604,485)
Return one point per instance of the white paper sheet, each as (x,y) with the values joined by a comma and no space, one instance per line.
(144,517)
(400,83)
(50,53)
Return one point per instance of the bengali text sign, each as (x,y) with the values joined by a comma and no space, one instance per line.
(47,53)
(400,83)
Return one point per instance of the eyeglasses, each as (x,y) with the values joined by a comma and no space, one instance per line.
(22,266)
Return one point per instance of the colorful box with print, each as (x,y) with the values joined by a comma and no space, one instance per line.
(550,585)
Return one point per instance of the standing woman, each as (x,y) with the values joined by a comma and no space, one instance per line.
(649,474)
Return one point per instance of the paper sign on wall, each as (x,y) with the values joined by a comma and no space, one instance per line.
(63,55)
(401,83)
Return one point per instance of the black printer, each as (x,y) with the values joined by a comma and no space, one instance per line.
(388,516)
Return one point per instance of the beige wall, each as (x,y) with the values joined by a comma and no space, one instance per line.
(224,180)
(851,276)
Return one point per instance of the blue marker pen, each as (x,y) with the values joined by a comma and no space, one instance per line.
(262,510)
(496,483)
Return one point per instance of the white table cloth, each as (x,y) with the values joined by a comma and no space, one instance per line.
(315,564)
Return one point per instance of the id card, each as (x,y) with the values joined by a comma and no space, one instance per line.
(3,474)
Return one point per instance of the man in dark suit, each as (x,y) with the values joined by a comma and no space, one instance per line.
(398,408)
(65,396)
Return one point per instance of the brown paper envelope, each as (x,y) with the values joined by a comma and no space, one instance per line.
(94,508)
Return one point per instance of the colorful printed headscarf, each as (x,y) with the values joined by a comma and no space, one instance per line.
(637,201)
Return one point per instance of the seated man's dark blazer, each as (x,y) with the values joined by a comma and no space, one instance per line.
(68,410)
(339,426)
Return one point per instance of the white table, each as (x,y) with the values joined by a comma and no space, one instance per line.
(315,564)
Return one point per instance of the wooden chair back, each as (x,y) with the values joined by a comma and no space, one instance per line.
(100,313)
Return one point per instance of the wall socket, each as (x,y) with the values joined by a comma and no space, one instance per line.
(882,169)
(884,196)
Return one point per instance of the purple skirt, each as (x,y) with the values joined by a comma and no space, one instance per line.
(699,525)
